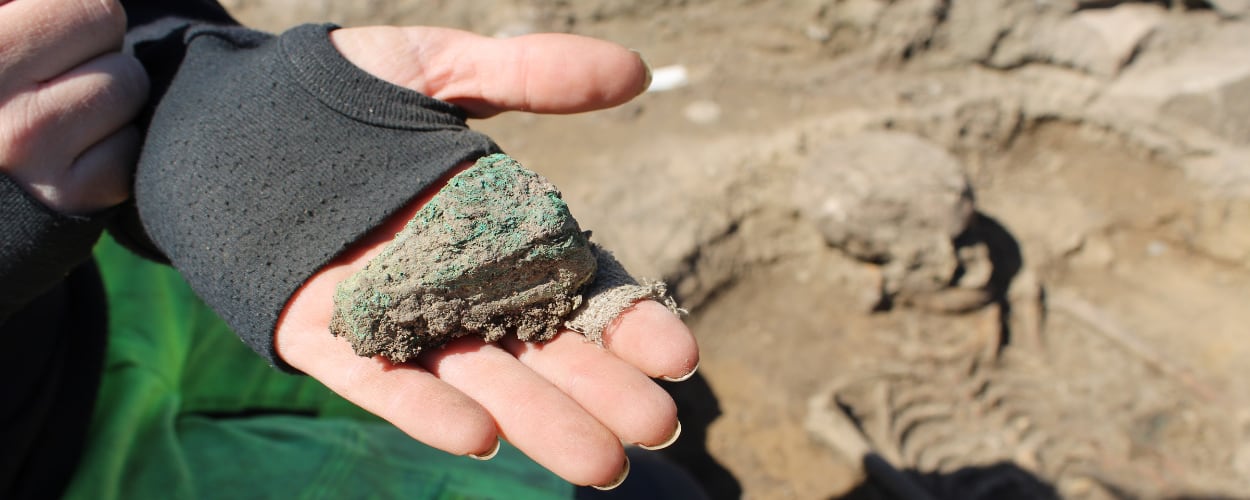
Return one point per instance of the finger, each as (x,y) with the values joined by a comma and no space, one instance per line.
(411,398)
(653,339)
(533,415)
(90,101)
(540,73)
(622,398)
(48,125)
(99,178)
(408,396)
(40,39)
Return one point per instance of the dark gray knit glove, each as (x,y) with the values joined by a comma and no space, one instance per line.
(268,156)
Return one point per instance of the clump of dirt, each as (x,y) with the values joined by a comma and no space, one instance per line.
(495,251)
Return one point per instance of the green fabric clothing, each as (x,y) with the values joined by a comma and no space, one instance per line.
(187,411)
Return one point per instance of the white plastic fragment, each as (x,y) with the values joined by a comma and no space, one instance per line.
(668,78)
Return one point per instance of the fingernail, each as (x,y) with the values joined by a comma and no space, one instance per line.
(646,83)
(619,479)
(682,378)
(488,455)
(665,444)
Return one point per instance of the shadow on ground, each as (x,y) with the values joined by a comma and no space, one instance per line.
(697,408)
(1001,480)
(991,482)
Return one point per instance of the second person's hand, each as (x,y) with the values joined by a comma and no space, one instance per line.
(67,96)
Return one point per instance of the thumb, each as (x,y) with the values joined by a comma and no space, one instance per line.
(540,73)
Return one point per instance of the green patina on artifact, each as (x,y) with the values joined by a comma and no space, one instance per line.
(496,251)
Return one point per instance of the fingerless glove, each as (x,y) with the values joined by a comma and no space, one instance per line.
(267,156)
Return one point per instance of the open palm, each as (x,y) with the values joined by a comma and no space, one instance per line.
(568,404)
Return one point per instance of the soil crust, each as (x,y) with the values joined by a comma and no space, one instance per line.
(496,251)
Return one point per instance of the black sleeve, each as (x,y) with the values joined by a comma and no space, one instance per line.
(52,322)
(143,14)
(39,246)
(49,375)
(266,156)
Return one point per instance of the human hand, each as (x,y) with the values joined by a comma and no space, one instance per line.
(66,98)
(568,404)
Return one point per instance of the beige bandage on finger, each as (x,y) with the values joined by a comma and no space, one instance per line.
(612,292)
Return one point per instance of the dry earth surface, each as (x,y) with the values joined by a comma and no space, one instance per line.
(1082,335)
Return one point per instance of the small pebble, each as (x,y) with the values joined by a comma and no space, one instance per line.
(1156,248)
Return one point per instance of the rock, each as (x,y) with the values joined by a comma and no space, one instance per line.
(973,31)
(1223,106)
(494,252)
(890,30)
(1096,41)
(846,26)
(1205,85)
(1231,8)
(889,198)
(1009,34)
(906,28)
(1101,41)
